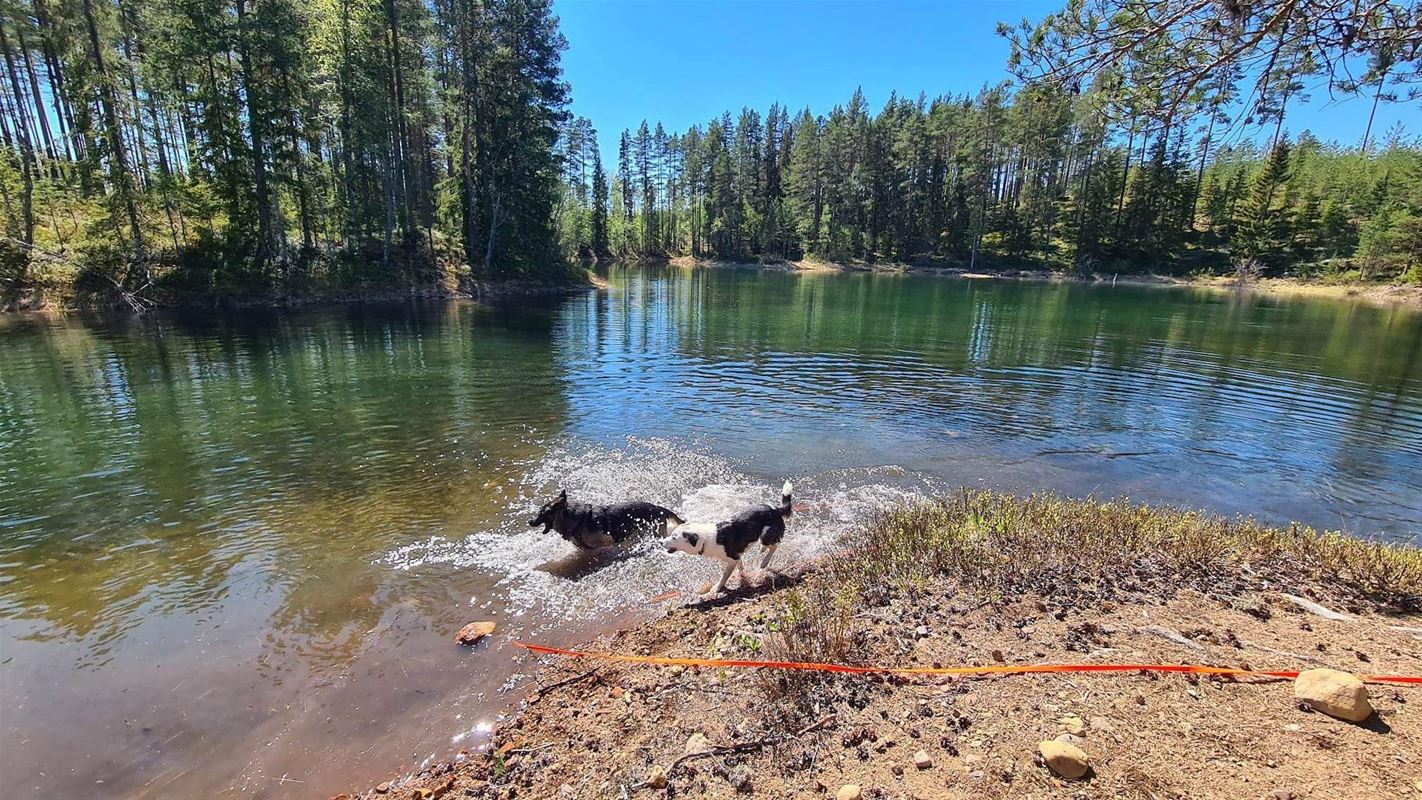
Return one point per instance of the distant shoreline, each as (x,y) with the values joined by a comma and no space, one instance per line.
(1376,294)
(64,302)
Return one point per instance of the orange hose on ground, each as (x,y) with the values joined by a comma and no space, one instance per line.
(994,670)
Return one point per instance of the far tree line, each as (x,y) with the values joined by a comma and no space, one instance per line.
(245,144)
(228,146)
(1037,177)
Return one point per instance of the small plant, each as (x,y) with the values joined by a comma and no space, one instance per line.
(1247,270)
(816,626)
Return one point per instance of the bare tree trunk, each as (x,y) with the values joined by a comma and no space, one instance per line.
(27,152)
(267,246)
(118,158)
(1367,132)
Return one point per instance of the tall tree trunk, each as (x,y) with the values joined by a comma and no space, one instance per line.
(119,172)
(1368,131)
(51,153)
(22,134)
(267,248)
(401,172)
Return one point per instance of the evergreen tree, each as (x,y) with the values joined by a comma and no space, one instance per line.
(600,242)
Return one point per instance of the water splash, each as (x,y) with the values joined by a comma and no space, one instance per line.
(541,572)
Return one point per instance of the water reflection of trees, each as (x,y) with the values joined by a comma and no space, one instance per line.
(1324,392)
(191,464)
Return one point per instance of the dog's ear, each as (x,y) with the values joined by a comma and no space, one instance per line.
(562,498)
(692,538)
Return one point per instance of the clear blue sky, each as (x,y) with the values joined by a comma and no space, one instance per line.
(683,61)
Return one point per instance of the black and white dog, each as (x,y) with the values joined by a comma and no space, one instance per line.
(592,527)
(728,541)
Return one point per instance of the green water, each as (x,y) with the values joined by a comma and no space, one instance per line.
(234,547)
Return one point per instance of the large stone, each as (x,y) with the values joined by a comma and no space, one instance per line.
(849,791)
(921,760)
(1064,759)
(1335,693)
(473,632)
(657,778)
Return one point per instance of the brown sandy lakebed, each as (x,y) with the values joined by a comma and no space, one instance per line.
(1090,583)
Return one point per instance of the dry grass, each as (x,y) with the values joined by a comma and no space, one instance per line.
(997,544)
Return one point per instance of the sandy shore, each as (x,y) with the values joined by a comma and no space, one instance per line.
(1377,294)
(590,728)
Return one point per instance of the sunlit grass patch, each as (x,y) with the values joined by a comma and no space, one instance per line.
(994,543)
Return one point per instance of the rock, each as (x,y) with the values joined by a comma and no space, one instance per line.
(740,777)
(1102,724)
(382,788)
(1282,794)
(656,778)
(1064,759)
(922,761)
(1335,693)
(697,744)
(473,632)
(1073,724)
(849,791)
(922,631)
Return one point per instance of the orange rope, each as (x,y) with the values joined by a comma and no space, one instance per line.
(995,670)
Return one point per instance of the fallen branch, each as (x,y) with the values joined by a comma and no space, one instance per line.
(1316,609)
(747,747)
(542,690)
(1171,636)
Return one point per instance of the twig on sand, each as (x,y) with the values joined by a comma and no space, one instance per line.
(1316,609)
(1171,636)
(747,747)
(1285,653)
(542,690)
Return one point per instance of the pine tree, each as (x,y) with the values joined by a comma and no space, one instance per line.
(1264,233)
(600,244)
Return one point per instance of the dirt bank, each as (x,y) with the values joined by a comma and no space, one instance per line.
(1108,583)
(1378,294)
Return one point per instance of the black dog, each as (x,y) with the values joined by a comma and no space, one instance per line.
(592,527)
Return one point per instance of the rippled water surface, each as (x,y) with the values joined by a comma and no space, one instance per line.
(233,550)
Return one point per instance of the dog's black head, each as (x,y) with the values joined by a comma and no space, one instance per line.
(551,513)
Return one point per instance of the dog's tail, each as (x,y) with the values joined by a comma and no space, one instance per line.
(786,506)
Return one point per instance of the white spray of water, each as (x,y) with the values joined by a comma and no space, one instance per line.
(542,571)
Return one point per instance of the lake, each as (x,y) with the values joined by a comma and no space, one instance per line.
(235,548)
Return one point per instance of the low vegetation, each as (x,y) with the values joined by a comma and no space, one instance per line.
(994,544)
(990,548)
